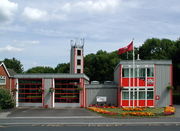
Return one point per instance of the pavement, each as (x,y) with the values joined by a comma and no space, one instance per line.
(78,116)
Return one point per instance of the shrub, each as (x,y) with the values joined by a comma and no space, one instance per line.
(6,99)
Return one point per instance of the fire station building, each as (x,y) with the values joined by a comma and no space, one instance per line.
(146,87)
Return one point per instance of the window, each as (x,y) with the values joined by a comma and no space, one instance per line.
(133,96)
(78,62)
(79,52)
(125,72)
(150,93)
(142,72)
(125,94)
(2,80)
(141,95)
(150,72)
(78,70)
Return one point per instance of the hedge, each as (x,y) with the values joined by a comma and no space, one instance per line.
(6,99)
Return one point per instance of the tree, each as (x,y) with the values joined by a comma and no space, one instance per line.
(100,66)
(14,64)
(62,68)
(157,49)
(41,69)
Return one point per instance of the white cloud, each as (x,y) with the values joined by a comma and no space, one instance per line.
(7,10)
(26,42)
(92,6)
(13,28)
(10,48)
(35,14)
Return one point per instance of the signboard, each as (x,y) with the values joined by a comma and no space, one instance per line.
(150,81)
(101,98)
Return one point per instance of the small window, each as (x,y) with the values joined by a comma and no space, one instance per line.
(79,52)
(150,95)
(125,72)
(142,73)
(2,80)
(135,95)
(141,95)
(125,95)
(78,70)
(78,62)
(150,72)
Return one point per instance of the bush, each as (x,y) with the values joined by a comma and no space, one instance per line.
(6,99)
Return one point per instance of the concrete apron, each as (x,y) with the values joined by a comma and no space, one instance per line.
(49,113)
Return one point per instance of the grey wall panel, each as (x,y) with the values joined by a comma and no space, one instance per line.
(47,94)
(111,95)
(30,105)
(116,75)
(65,105)
(162,81)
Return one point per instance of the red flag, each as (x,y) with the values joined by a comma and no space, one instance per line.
(126,49)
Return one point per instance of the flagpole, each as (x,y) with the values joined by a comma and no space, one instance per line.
(133,75)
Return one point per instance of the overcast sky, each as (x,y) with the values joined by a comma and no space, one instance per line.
(38,32)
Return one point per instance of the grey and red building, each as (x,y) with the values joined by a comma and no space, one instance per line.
(146,87)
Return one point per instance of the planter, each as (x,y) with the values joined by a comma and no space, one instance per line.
(170,87)
(169,110)
(51,90)
(40,90)
(79,88)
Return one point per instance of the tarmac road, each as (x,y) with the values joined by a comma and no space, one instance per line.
(90,128)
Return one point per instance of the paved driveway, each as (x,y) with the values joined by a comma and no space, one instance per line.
(62,112)
(39,112)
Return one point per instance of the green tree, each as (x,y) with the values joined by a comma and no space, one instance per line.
(41,69)
(62,68)
(157,49)
(14,64)
(100,66)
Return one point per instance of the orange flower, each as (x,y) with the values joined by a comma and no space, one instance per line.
(138,113)
(169,110)
(99,110)
(133,109)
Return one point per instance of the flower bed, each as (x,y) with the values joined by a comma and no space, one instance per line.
(129,111)
(169,110)
(133,109)
(138,114)
(99,110)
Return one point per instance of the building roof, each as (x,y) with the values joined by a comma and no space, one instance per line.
(2,64)
(143,62)
(51,75)
(98,86)
(159,62)
(11,72)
